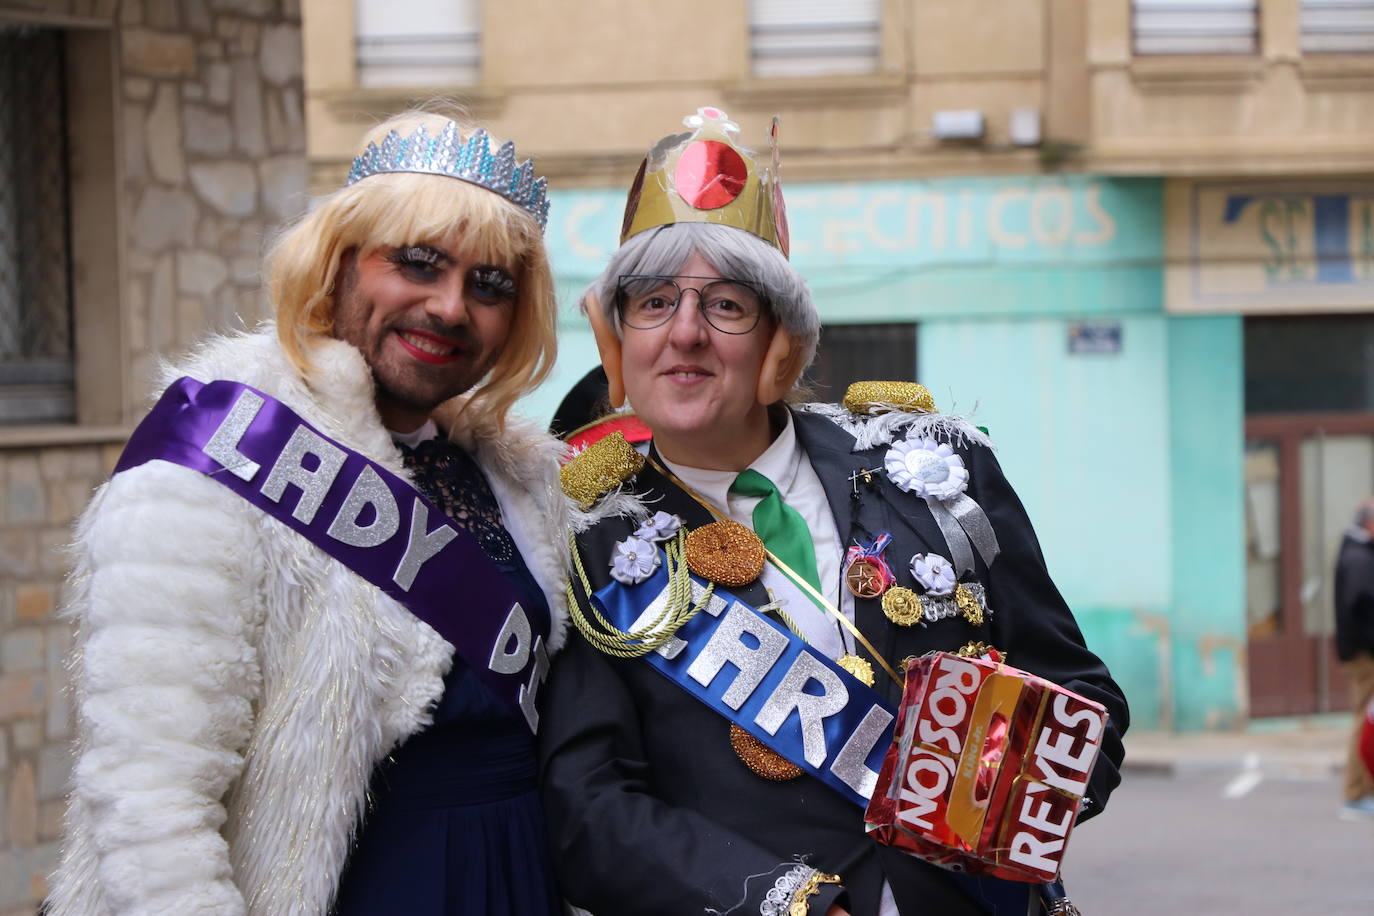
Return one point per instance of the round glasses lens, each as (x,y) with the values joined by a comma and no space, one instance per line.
(730,306)
(647,302)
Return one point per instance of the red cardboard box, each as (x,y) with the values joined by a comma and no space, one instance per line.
(987,769)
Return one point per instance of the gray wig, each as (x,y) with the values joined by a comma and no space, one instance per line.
(736,254)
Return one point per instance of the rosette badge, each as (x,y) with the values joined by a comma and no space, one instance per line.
(934,573)
(935,472)
(634,560)
(930,469)
(661,526)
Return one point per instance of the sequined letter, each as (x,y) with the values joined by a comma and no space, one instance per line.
(528,691)
(516,627)
(290,469)
(223,445)
(791,694)
(368,490)
(850,765)
(421,546)
(672,647)
(726,645)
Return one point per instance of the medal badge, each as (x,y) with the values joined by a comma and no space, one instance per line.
(968,605)
(903,606)
(866,573)
(857,666)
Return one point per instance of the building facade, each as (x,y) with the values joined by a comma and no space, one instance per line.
(1118,233)
(147,148)
(1132,238)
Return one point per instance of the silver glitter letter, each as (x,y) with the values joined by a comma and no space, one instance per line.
(811,708)
(849,764)
(421,546)
(528,691)
(289,469)
(725,645)
(223,445)
(517,626)
(368,490)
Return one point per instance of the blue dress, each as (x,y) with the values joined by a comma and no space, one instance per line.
(454,826)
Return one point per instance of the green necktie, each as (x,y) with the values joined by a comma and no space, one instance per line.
(781,527)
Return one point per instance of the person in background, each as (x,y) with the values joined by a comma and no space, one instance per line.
(1354,598)
(317,598)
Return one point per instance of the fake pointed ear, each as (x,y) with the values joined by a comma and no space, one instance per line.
(782,366)
(608,345)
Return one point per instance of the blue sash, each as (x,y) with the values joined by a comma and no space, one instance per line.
(359,513)
(768,681)
(764,678)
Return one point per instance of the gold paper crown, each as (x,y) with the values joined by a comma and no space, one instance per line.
(705,176)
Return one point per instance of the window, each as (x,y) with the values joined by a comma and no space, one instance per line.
(35,258)
(419,42)
(1195,26)
(814,37)
(1309,364)
(1338,25)
(851,353)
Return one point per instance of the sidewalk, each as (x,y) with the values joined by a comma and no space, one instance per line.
(1307,748)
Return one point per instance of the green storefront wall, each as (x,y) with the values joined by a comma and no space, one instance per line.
(1128,461)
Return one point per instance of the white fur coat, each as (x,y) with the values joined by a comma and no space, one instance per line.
(234,685)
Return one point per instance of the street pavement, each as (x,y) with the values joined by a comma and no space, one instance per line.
(1242,823)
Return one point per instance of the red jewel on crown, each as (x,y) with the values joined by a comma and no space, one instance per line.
(710,174)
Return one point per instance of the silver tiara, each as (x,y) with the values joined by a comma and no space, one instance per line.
(472,161)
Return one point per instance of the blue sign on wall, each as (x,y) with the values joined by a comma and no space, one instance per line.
(1271,246)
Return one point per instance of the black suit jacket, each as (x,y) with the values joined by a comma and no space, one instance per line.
(1355,596)
(650,810)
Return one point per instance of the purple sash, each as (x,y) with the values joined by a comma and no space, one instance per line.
(359,513)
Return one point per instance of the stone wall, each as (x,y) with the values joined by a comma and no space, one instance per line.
(41,492)
(214,142)
(208,106)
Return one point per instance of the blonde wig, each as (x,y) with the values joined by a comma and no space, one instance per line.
(401,208)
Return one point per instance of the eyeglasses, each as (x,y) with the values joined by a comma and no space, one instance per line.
(729,306)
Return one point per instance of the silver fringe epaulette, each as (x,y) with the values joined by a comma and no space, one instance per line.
(878,413)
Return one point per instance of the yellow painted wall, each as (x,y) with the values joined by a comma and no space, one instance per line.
(584,87)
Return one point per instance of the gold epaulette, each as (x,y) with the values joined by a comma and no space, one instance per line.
(600,467)
(873,398)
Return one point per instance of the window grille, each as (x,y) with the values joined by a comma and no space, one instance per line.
(1341,26)
(813,37)
(35,257)
(1195,26)
(419,42)
(850,353)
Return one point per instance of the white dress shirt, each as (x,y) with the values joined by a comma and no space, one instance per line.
(784,463)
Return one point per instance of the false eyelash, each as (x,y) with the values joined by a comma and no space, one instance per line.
(496,278)
(417,254)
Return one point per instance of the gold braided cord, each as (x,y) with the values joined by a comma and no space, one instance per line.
(791,624)
(797,580)
(677,610)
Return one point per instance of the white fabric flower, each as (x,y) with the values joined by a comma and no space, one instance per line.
(934,573)
(663,526)
(634,560)
(930,469)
